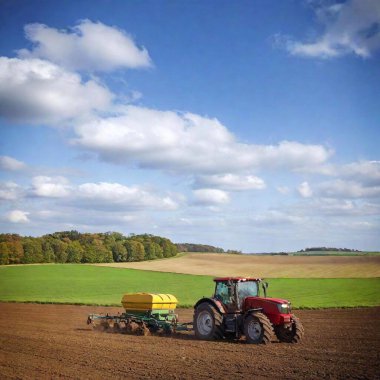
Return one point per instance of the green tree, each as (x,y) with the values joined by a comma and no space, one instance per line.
(74,252)
(5,252)
(159,251)
(136,251)
(119,252)
(59,248)
(47,252)
(32,251)
(150,251)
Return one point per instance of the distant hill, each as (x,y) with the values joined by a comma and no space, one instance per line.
(192,247)
(322,249)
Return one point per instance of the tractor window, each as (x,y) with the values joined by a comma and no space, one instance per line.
(222,292)
(247,289)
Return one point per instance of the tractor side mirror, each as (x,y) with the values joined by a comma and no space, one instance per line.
(265,285)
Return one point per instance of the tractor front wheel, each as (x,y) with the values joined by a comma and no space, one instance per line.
(208,323)
(258,329)
(292,333)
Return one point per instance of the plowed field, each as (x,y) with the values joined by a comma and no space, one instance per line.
(50,341)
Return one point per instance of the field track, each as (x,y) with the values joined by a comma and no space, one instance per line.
(264,266)
(51,341)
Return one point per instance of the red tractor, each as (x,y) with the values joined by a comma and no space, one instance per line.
(237,309)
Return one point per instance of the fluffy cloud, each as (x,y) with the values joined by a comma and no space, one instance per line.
(231,182)
(103,195)
(10,191)
(305,190)
(187,143)
(11,164)
(368,172)
(50,187)
(88,46)
(17,216)
(350,27)
(35,90)
(211,197)
(115,194)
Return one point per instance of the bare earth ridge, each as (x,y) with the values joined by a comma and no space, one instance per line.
(50,341)
(216,264)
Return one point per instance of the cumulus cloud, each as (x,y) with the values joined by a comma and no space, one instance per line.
(17,216)
(50,187)
(305,190)
(352,27)
(368,172)
(211,197)
(35,90)
(10,191)
(114,194)
(231,182)
(11,164)
(102,195)
(187,143)
(87,46)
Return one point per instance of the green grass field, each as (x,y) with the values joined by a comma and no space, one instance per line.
(84,284)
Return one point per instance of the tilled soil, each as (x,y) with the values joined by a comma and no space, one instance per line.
(51,341)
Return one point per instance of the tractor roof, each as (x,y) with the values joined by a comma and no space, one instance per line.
(236,279)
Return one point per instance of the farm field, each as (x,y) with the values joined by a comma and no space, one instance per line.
(54,341)
(87,284)
(266,266)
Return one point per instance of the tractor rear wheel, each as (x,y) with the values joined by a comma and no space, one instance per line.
(208,322)
(290,334)
(258,329)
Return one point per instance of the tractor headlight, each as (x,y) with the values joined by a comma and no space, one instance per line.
(284,308)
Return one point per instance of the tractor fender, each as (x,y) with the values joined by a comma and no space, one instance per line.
(217,304)
(251,311)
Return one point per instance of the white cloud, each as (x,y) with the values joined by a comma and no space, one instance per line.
(34,90)
(115,194)
(50,187)
(187,143)
(17,216)
(211,196)
(367,172)
(348,189)
(305,190)
(88,46)
(276,217)
(350,27)
(11,164)
(10,191)
(231,182)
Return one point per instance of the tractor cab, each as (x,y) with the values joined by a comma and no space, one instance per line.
(232,291)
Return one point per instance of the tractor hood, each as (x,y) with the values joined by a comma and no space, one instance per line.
(275,300)
(267,304)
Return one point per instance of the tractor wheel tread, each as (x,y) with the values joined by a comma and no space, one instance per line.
(295,335)
(267,333)
(217,329)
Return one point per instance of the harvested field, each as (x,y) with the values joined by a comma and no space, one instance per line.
(264,265)
(50,341)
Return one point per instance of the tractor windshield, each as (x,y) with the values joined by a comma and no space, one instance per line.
(247,289)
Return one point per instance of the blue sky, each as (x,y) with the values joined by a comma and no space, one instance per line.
(251,125)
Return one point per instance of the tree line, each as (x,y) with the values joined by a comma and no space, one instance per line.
(324,249)
(191,247)
(75,247)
